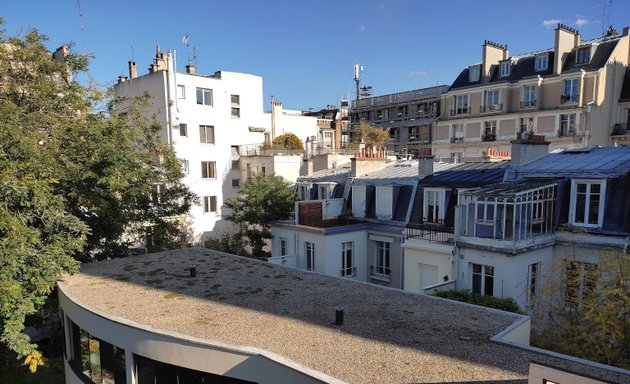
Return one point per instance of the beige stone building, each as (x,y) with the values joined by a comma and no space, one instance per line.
(570,94)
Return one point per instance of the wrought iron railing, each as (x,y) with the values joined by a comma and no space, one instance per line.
(436,232)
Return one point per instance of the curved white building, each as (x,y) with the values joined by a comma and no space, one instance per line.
(146,319)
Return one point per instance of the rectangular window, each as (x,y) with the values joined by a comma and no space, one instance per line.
(526,124)
(461,105)
(185,167)
(381,260)
(283,247)
(347,262)
(209,204)
(491,101)
(587,203)
(571,91)
(96,360)
(533,282)
(474,72)
(580,279)
(402,111)
(236,183)
(181,92)
(310,256)
(567,125)
(206,134)
(541,62)
(183,129)
(483,279)
(433,205)
(489,131)
(505,68)
(208,170)
(458,133)
(529,96)
(583,55)
(204,96)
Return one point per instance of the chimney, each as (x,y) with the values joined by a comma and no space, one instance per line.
(307,167)
(492,54)
(425,166)
(190,69)
(363,165)
(133,70)
(566,39)
(122,78)
(528,147)
(61,53)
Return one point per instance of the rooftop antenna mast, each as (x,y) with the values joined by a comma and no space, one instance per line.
(357,77)
(606,16)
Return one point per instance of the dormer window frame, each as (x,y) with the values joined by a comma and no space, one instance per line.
(325,190)
(542,62)
(583,55)
(505,68)
(594,190)
(474,73)
(433,205)
(303,191)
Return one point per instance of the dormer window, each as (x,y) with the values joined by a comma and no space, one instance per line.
(541,62)
(583,55)
(473,73)
(587,203)
(505,68)
(434,205)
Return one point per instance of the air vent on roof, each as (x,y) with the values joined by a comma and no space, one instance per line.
(579,149)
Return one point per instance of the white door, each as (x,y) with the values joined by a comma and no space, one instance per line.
(428,275)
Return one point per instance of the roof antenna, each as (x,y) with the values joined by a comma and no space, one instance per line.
(133,56)
(81,22)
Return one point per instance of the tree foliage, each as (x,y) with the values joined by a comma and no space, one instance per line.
(74,184)
(260,202)
(371,136)
(289,141)
(585,312)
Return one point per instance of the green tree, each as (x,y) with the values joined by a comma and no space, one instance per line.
(75,183)
(260,202)
(289,141)
(371,136)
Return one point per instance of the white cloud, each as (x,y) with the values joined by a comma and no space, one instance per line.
(581,21)
(551,23)
(417,72)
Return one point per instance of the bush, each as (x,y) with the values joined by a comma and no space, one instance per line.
(506,304)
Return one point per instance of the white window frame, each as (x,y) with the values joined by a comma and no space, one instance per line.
(185,167)
(310,255)
(573,94)
(492,100)
(529,96)
(574,195)
(567,125)
(204,96)
(181,92)
(303,191)
(533,283)
(579,58)
(183,130)
(459,133)
(542,62)
(505,68)
(283,246)
(210,204)
(206,134)
(461,105)
(474,73)
(439,195)
(347,259)
(381,261)
(486,271)
(208,170)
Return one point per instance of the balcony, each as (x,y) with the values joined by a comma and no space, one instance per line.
(436,232)
(489,137)
(457,139)
(460,111)
(528,104)
(566,132)
(568,99)
(621,129)
(491,108)
(380,272)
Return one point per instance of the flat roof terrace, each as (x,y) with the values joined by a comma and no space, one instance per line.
(388,336)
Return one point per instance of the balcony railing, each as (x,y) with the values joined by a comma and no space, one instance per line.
(457,139)
(489,137)
(380,272)
(566,132)
(432,232)
(565,99)
(528,104)
(491,108)
(621,129)
(460,111)
(350,271)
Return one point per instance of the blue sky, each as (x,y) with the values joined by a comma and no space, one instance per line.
(305,50)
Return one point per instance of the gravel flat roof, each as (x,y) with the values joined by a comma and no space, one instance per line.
(388,336)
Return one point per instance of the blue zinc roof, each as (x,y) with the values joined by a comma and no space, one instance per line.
(589,162)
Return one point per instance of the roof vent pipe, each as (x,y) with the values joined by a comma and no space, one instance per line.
(193,270)
(339,315)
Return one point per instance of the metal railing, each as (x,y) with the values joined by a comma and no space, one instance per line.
(621,129)
(436,232)
(380,272)
(528,103)
(457,139)
(460,111)
(566,132)
(491,108)
(350,271)
(565,99)
(489,137)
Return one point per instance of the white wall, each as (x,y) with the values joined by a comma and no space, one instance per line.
(418,253)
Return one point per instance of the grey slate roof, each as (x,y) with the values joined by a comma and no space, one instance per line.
(405,172)
(466,175)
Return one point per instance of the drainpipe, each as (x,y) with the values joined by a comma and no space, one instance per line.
(169,118)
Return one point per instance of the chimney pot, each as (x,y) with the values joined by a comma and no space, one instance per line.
(133,70)
(190,69)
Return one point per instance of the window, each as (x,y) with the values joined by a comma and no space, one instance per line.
(381,260)
(473,73)
(483,279)
(458,133)
(208,170)
(236,183)
(310,255)
(505,68)
(526,124)
(583,55)
(567,125)
(541,62)
(580,279)
(303,192)
(491,101)
(461,105)
(433,205)
(402,111)
(235,101)
(183,129)
(325,192)
(95,360)
(489,130)
(209,204)
(533,282)
(347,264)
(283,247)
(185,167)
(529,96)
(204,96)
(206,134)
(571,89)
(587,203)
(181,92)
